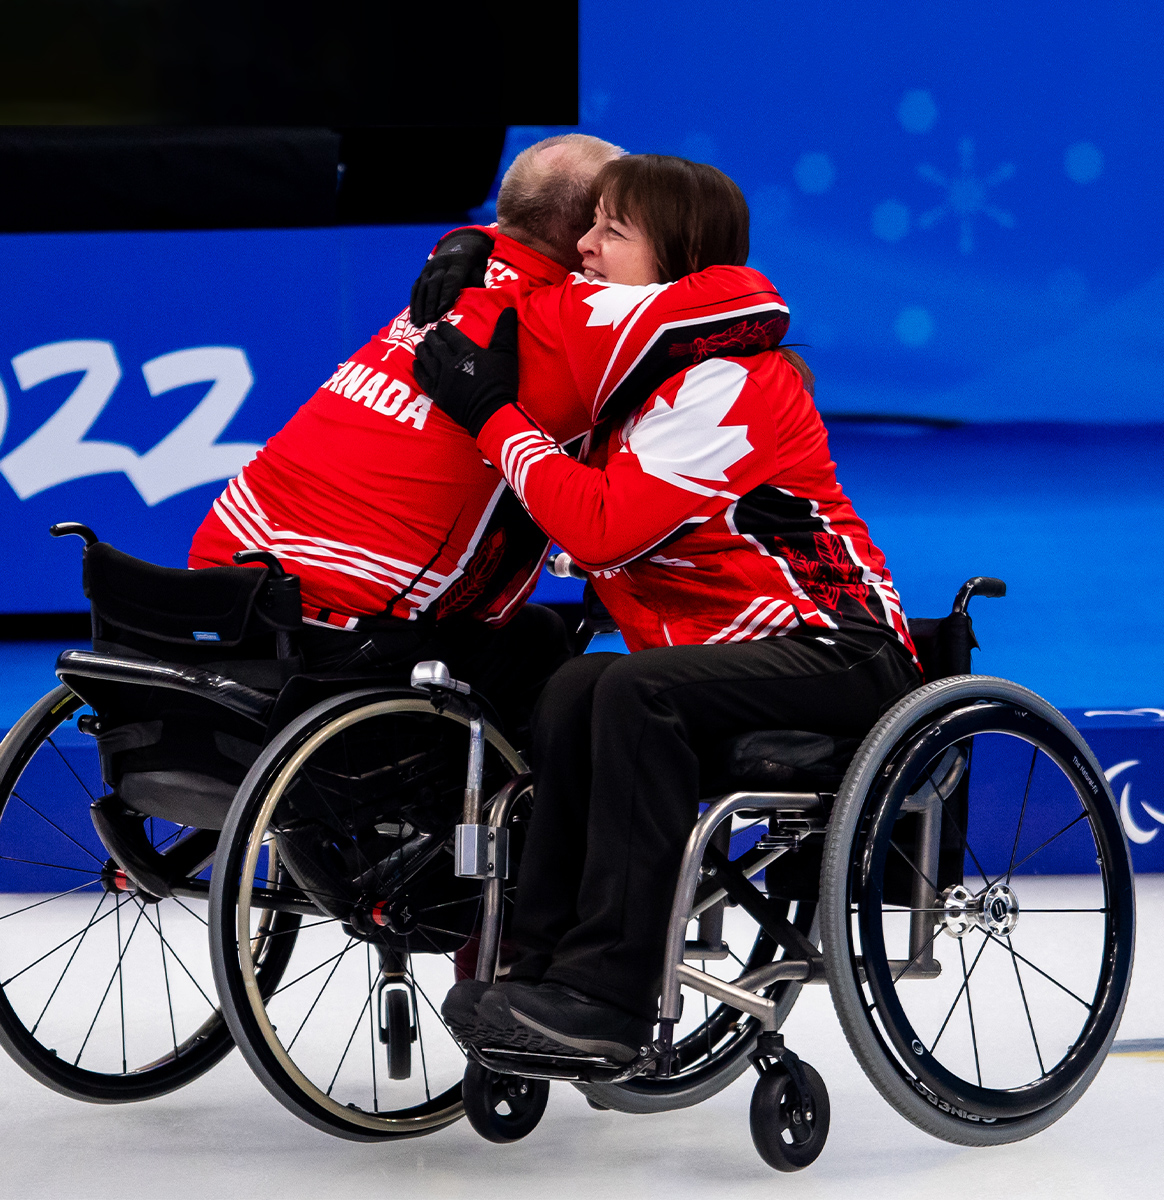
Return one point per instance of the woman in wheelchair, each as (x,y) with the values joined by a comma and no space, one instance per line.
(709,519)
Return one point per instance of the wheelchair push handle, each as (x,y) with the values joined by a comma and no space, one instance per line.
(243,558)
(980,585)
(65,528)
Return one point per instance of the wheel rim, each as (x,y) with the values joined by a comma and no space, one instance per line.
(350,1092)
(103,996)
(1049,966)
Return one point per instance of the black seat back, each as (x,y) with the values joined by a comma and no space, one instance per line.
(943,644)
(215,607)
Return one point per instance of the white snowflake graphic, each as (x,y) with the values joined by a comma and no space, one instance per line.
(966,196)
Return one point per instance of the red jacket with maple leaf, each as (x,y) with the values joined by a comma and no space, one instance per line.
(384,507)
(711,514)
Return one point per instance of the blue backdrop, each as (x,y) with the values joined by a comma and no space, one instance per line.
(961,207)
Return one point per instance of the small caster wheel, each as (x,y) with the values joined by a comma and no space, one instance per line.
(503,1108)
(787,1134)
(396,1030)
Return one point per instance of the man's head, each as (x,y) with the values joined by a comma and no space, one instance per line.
(545,199)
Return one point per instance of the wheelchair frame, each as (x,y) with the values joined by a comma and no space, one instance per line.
(790,1097)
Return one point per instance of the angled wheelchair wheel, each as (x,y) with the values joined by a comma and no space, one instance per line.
(346,818)
(105,995)
(978,915)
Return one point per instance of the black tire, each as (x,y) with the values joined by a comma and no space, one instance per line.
(107,998)
(789,1133)
(398,1026)
(359,754)
(487,1094)
(1013,760)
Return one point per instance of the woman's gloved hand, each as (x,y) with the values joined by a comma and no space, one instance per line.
(469,382)
(459,261)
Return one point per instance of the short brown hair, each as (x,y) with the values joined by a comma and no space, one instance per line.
(551,198)
(693,215)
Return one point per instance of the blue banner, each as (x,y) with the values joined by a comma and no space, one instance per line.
(140,370)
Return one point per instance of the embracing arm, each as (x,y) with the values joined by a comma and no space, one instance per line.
(686,456)
(678,464)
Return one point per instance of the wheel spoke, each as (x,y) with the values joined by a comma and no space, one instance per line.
(49,899)
(958,996)
(174,953)
(1040,971)
(351,1038)
(1070,825)
(121,986)
(1026,1007)
(916,870)
(338,959)
(32,862)
(970,1007)
(109,985)
(50,953)
(166,977)
(187,908)
(1022,814)
(76,948)
(69,765)
(372,1032)
(412,986)
(318,967)
(50,821)
(933,938)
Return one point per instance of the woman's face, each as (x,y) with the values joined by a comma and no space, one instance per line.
(617,251)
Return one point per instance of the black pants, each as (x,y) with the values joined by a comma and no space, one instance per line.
(616,740)
(507,666)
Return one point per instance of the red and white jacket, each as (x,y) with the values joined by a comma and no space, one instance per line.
(710,514)
(384,507)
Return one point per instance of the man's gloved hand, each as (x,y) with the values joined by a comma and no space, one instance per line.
(469,382)
(459,261)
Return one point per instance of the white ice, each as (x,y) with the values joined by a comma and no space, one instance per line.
(225,1136)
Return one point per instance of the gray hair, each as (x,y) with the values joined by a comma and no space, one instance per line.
(548,196)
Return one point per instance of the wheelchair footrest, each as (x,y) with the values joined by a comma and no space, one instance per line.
(580,1068)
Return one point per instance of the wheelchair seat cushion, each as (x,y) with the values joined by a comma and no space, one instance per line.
(778,760)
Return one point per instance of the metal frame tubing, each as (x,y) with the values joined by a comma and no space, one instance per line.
(673,965)
(500,809)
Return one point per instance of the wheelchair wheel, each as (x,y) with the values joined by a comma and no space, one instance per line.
(503,1108)
(982,1013)
(712,1041)
(104,995)
(789,1131)
(348,816)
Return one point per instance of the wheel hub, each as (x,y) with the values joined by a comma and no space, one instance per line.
(994,910)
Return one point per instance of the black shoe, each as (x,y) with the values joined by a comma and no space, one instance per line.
(460,1009)
(560,1020)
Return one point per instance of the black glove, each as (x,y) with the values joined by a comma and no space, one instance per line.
(466,381)
(459,261)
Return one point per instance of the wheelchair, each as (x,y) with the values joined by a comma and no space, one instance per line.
(364,835)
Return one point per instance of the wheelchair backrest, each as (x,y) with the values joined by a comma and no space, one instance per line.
(943,644)
(212,607)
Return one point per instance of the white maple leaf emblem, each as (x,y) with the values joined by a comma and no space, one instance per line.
(684,441)
(612,303)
